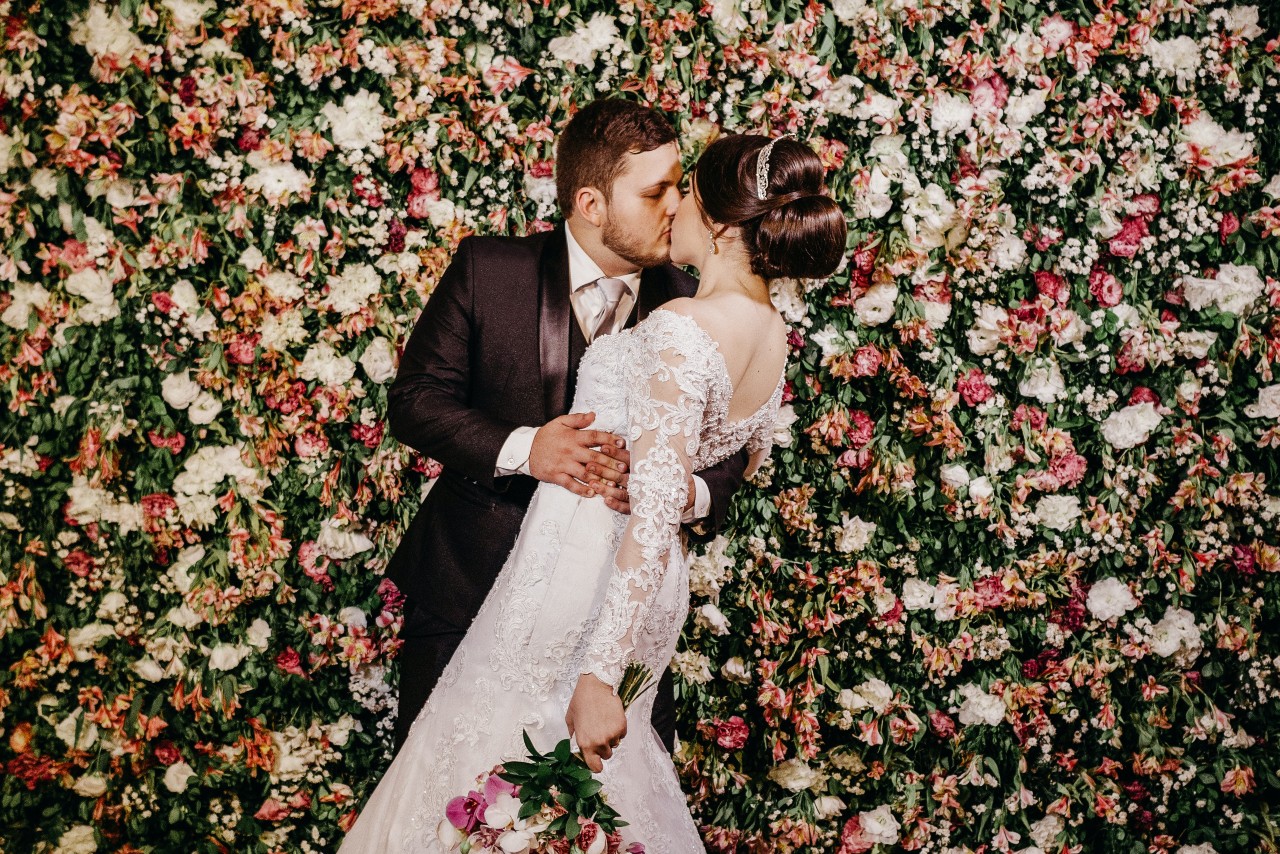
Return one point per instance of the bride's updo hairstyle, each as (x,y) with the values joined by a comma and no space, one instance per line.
(796,230)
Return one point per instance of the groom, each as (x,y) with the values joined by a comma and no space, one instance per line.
(487,377)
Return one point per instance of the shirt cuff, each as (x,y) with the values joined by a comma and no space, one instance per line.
(514,456)
(701,502)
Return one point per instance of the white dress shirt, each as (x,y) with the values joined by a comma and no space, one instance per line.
(588,303)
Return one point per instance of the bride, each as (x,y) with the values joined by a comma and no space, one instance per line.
(587,590)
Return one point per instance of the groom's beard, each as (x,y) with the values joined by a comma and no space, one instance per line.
(629,247)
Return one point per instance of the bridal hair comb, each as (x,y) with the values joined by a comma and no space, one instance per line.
(762,168)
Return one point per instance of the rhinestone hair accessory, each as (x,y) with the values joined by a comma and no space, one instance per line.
(762,168)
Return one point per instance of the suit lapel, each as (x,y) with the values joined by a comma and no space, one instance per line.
(655,289)
(554,318)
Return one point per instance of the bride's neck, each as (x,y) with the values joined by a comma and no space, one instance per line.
(729,273)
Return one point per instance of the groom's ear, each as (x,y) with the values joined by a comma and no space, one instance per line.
(591,205)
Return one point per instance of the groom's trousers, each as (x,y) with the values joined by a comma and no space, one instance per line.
(429,650)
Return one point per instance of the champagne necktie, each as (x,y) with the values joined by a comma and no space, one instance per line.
(612,289)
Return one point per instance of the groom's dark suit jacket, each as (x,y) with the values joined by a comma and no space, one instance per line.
(496,347)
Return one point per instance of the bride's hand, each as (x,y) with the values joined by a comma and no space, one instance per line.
(596,718)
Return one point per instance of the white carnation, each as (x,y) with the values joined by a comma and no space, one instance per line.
(283,285)
(877,304)
(984,336)
(1043,382)
(854,534)
(1058,512)
(1021,109)
(979,707)
(954,475)
(1178,58)
(350,291)
(980,488)
(105,33)
(275,180)
(951,114)
(1234,290)
(281,330)
(1130,426)
(339,541)
(204,408)
(79,839)
(90,786)
(1110,598)
(712,619)
(917,595)
(323,365)
(848,12)
(358,124)
(1177,636)
(580,48)
(1009,253)
(1203,138)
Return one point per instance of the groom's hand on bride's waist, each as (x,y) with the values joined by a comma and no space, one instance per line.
(584,461)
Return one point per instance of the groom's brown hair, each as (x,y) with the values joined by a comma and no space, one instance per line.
(592,147)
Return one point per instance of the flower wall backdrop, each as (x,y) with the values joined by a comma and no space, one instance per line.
(1011,582)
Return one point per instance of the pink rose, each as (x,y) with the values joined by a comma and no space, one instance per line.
(862,428)
(867,361)
(1127,243)
(272,810)
(852,838)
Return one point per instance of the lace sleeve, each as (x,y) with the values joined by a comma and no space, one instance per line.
(666,402)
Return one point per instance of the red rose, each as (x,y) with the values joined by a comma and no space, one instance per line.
(166,753)
(1052,286)
(1142,394)
(732,734)
(290,662)
(1127,243)
(861,429)
(162,301)
(79,563)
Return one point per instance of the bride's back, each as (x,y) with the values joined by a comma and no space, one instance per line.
(752,340)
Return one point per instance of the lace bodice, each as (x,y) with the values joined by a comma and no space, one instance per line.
(673,408)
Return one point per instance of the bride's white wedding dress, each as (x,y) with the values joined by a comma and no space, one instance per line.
(584,589)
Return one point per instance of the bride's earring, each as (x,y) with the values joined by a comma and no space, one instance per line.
(711,245)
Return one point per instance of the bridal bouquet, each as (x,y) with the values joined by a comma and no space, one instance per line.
(547,803)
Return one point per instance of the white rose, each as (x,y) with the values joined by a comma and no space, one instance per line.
(1177,636)
(854,534)
(204,408)
(90,786)
(980,488)
(1268,405)
(880,826)
(179,390)
(954,475)
(876,305)
(184,617)
(1043,382)
(187,14)
(275,180)
(713,619)
(258,634)
(877,199)
(25,296)
(177,776)
(1235,289)
(795,775)
(78,840)
(148,668)
(874,694)
(828,806)
(90,284)
(340,730)
(1110,598)
(353,617)
(1058,512)
(936,314)
(917,595)
(1130,426)
(979,707)
(782,425)
(105,33)
(1195,344)
(379,360)
(736,670)
(76,731)
(227,656)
